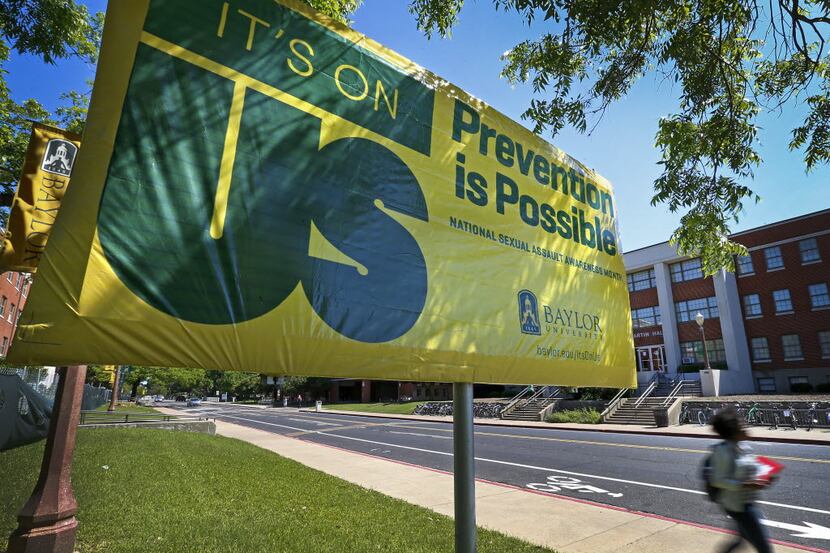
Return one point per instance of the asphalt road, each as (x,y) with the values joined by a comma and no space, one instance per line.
(652,474)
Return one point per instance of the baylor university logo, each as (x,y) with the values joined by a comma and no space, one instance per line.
(529,313)
(59,157)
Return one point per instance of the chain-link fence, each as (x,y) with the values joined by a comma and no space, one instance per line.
(44,380)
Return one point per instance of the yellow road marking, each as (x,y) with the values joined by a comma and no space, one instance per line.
(609,444)
(336,428)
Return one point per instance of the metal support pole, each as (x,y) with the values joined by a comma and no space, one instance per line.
(464,465)
(705,349)
(47,523)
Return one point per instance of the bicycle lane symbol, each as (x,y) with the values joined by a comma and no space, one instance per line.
(557,484)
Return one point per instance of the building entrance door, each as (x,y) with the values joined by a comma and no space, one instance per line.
(651,358)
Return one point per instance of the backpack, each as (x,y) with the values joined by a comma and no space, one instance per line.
(707,471)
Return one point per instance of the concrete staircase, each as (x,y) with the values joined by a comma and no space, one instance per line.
(531,403)
(530,410)
(643,414)
(691,388)
(627,413)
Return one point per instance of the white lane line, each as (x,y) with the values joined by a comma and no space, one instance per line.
(571,473)
(268,423)
(418,434)
(521,465)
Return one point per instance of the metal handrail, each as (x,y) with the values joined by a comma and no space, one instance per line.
(676,390)
(516,399)
(615,401)
(538,393)
(651,387)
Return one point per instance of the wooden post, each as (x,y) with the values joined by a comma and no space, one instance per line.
(47,522)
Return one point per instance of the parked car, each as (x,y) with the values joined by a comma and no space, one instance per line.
(181,397)
(194,402)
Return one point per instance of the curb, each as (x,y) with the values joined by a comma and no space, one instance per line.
(483,422)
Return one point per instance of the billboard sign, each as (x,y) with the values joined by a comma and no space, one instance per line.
(267,190)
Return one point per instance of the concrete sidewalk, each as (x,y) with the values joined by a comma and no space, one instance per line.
(819,436)
(564,524)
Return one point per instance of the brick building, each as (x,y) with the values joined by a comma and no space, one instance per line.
(14,289)
(768,323)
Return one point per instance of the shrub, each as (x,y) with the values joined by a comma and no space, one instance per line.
(823,388)
(583,416)
(801,388)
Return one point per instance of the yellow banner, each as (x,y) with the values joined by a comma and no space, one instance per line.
(267,190)
(46,171)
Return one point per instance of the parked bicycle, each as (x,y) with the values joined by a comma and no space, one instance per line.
(705,415)
(789,415)
(685,415)
(811,416)
(753,416)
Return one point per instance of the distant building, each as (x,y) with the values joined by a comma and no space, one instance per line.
(768,323)
(14,290)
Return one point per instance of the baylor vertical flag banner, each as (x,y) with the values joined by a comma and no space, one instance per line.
(266,190)
(46,171)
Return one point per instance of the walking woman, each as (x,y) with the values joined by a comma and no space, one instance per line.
(733,473)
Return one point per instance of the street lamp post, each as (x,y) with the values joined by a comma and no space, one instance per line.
(700,320)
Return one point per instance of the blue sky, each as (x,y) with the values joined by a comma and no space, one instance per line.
(621,148)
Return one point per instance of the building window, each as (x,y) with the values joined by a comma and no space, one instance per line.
(9,276)
(752,305)
(646,316)
(3,305)
(18,281)
(716,350)
(766,385)
(809,251)
(12,313)
(819,297)
(783,303)
(642,280)
(686,270)
(692,352)
(824,343)
(774,258)
(5,344)
(743,264)
(760,349)
(686,310)
(798,380)
(792,347)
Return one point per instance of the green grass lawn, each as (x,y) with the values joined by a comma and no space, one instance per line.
(160,491)
(392,408)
